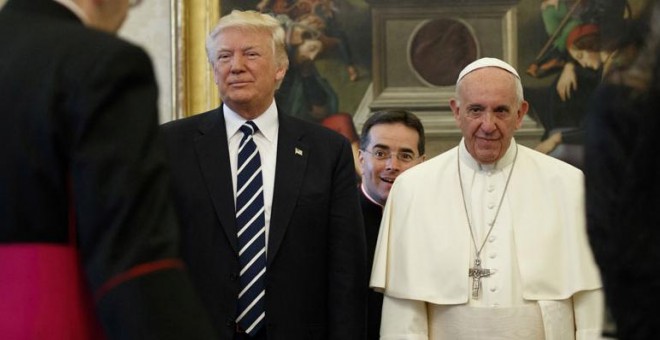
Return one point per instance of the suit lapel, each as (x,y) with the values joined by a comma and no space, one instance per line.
(213,156)
(292,156)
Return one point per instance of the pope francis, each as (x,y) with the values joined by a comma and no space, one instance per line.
(487,240)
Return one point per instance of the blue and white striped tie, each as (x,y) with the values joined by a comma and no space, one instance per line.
(251,223)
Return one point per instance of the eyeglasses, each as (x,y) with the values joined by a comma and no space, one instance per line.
(381,155)
(133,3)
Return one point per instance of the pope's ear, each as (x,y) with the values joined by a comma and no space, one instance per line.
(522,111)
(455,109)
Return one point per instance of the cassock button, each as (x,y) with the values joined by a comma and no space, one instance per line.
(491,188)
(230,323)
(492,238)
(492,255)
(491,205)
(233,276)
(493,289)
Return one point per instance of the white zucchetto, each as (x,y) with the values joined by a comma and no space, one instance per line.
(487,62)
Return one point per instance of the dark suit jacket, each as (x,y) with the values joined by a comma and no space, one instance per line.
(316,248)
(79,134)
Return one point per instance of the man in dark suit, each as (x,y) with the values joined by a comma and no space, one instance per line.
(308,220)
(84,175)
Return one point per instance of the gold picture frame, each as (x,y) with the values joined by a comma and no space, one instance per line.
(193,88)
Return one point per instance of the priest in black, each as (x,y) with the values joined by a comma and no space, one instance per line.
(391,143)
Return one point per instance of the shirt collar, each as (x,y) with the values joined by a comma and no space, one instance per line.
(267,122)
(364,191)
(73,7)
(507,159)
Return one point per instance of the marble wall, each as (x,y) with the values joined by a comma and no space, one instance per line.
(149,25)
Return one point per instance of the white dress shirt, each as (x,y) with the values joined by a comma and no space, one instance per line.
(266,140)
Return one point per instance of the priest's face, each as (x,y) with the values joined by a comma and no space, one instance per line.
(488,111)
(392,149)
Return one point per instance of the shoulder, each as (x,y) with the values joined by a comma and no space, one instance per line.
(88,43)
(104,50)
(428,176)
(553,164)
(190,124)
(548,167)
(309,132)
(69,45)
(431,167)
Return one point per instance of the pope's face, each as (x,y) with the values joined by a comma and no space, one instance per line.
(397,140)
(488,112)
(246,71)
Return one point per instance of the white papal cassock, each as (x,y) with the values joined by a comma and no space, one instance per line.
(545,284)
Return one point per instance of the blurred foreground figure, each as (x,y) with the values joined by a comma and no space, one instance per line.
(88,236)
(622,179)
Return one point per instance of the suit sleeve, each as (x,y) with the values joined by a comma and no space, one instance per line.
(126,227)
(347,265)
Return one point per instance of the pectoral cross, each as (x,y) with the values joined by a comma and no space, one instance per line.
(477,273)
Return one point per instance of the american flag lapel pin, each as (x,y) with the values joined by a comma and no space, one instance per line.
(298,152)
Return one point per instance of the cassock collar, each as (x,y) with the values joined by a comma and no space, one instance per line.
(468,160)
(366,194)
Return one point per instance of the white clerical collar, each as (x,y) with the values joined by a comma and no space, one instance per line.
(73,7)
(506,160)
(266,122)
(366,194)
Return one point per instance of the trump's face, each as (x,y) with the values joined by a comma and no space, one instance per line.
(246,71)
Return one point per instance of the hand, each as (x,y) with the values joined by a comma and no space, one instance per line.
(547,3)
(567,82)
(352,73)
(262,5)
(550,143)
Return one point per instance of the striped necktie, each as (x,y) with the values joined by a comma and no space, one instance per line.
(250,221)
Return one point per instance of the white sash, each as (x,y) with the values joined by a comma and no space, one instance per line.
(462,322)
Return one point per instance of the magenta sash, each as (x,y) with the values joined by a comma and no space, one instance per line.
(43,294)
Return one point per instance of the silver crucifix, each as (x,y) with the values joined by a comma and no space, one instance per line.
(477,273)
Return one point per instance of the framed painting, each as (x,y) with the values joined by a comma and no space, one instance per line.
(352,57)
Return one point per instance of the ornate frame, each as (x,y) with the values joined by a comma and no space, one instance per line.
(193,88)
